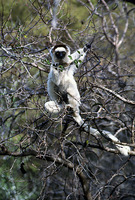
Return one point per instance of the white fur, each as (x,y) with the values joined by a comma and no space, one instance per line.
(122,148)
(60,49)
(63,80)
(53,107)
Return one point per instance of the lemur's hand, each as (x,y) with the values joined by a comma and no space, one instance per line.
(87,47)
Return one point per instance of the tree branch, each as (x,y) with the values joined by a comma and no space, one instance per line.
(114,94)
(54,158)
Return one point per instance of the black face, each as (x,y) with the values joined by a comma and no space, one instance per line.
(60,54)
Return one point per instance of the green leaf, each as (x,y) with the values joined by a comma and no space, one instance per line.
(70,57)
(61,68)
(47,61)
(87,142)
(76,63)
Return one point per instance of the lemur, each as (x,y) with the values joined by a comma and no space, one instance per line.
(63,91)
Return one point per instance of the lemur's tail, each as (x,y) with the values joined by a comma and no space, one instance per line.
(54,107)
(122,148)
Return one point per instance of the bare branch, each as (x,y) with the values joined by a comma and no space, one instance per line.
(114,94)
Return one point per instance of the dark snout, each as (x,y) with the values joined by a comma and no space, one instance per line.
(60,54)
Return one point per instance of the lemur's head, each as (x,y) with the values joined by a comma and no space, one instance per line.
(60,54)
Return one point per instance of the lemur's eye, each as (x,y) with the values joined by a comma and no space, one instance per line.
(60,54)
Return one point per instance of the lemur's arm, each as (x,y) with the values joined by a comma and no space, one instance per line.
(80,54)
(77,57)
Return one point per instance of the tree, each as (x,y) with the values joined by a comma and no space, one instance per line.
(46,156)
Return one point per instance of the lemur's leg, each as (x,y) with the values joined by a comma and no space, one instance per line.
(74,103)
(78,118)
(53,107)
